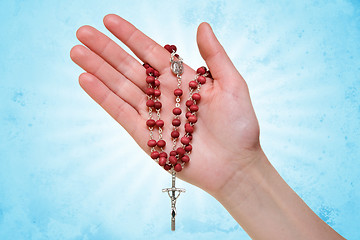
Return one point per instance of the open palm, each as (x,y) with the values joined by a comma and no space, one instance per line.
(226,136)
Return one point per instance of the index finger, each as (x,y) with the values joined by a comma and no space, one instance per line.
(141,45)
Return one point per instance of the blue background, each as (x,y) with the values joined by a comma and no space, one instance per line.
(69,171)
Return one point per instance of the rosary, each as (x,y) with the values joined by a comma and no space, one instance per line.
(179,155)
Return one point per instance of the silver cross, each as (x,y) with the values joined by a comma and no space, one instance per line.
(175,193)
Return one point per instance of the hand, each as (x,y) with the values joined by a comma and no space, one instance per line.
(227,160)
(226,136)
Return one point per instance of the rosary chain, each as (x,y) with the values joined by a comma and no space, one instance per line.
(191,115)
(178,156)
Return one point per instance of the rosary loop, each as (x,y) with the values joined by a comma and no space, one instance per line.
(179,156)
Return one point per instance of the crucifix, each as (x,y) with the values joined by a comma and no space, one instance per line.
(175,193)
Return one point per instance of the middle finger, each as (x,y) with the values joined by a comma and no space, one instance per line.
(114,80)
(112,53)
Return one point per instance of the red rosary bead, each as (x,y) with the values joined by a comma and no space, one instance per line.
(157,92)
(178,92)
(149,91)
(161,143)
(188,148)
(173,153)
(172,160)
(163,154)
(193,84)
(150,79)
(173,48)
(150,103)
(151,143)
(189,128)
(177,111)
(154,155)
(156,83)
(159,123)
(196,97)
(146,65)
(188,114)
(201,70)
(175,134)
(157,105)
(180,151)
(168,48)
(150,123)
(162,161)
(156,73)
(201,79)
(185,159)
(178,167)
(176,122)
(149,71)
(194,108)
(192,119)
(167,167)
(189,103)
(185,140)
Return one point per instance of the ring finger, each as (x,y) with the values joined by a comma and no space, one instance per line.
(115,81)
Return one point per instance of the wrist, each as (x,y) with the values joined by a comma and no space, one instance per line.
(244,177)
(266,207)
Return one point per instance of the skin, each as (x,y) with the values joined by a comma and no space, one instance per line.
(227,160)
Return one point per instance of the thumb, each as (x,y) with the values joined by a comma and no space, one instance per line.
(214,54)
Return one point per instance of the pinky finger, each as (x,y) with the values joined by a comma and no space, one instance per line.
(120,110)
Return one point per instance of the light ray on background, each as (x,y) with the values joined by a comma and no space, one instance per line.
(69,171)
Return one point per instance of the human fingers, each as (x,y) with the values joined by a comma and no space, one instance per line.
(146,49)
(213,53)
(119,109)
(114,80)
(113,54)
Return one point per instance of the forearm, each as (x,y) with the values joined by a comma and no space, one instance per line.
(267,208)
